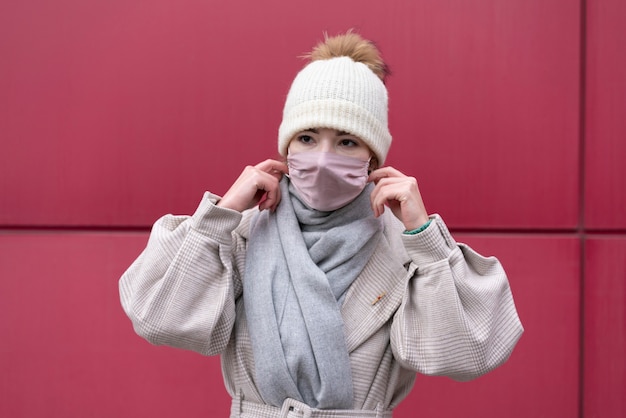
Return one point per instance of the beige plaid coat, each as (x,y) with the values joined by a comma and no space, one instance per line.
(423,303)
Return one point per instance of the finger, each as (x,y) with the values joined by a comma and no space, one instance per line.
(270,189)
(264,177)
(271,200)
(273,167)
(394,193)
(385,172)
(378,200)
(384,184)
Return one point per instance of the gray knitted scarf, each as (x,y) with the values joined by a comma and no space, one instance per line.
(299,263)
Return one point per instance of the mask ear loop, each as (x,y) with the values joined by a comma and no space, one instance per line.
(286,161)
(369,165)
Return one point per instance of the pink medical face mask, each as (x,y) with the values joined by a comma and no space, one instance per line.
(327,181)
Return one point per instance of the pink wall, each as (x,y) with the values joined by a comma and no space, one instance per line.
(510,114)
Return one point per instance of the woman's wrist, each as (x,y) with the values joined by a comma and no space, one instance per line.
(419,229)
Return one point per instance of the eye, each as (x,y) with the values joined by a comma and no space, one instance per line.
(305,139)
(347,142)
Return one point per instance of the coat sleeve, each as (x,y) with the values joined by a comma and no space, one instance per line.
(181,289)
(457,317)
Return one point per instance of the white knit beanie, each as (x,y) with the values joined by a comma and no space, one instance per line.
(337,93)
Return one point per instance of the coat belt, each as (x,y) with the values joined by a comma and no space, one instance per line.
(295,409)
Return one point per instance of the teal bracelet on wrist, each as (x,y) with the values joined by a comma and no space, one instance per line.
(418,230)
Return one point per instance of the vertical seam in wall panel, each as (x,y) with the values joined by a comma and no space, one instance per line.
(581,196)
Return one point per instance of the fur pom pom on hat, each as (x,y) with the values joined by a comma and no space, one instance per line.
(341,88)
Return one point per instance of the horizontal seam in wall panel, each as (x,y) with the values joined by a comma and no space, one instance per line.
(583,234)
(514,231)
(486,231)
(605,231)
(601,235)
(72,230)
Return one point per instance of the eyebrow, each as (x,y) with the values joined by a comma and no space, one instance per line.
(339,133)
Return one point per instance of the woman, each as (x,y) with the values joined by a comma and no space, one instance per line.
(322,282)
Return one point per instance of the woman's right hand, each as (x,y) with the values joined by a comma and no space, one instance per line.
(259,183)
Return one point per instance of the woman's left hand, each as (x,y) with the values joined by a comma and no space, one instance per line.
(401,194)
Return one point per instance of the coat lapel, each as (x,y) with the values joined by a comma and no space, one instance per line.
(378,291)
